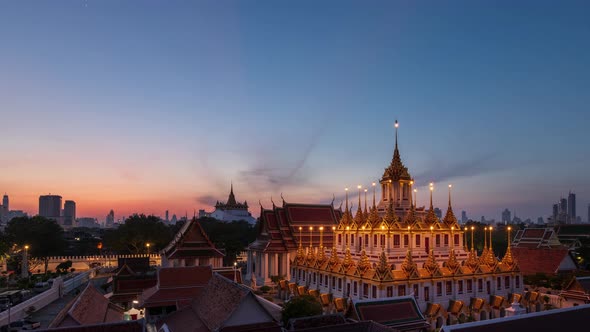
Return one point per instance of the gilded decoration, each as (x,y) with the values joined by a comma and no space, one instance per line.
(452,263)
(430,264)
(334,259)
(472,261)
(364,263)
(300,258)
(347,262)
(390,219)
(408,265)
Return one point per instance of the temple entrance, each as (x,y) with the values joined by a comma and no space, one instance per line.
(427,244)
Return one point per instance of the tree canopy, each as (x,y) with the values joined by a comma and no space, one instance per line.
(45,237)
(301,306)
(137,231)
(233,236)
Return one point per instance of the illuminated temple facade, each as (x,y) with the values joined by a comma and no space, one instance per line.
(385,249)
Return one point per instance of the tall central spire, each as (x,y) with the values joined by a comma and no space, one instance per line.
(396,170)
(231,200)
(396,126)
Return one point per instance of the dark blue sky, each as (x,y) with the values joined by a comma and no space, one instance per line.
(154,105)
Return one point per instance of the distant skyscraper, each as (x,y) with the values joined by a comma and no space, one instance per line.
(555,212)
(50,206)
(506,216)
(563,205)
(5,202)
(540,221)
(110,221)
(571,207)
(167,216)
(69,214)
(464,217)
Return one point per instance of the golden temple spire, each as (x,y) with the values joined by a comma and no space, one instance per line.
(415,199)
(321,250)
(374,184)
(396,126)
(348,261)
(491,258)
(334,259)
(346,219)
(300,258)
(366,212)
(358,217)
(431,217)
(383,266)
(408,264)
(484,253)
(472,261)
(508,260)
(390,218)
(364,262)
(430,263)
(450,219)
(452,262)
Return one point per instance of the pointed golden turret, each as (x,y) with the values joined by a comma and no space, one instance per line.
(430,264)
(431,217)
(383,266)
(359,218)
(484,253)
(346,219)
(390,219)
(491,258)
(366,212)
(508,260)
(300,258)
(411,217)
(364,262)
(347,262)
(334,259)
(321,251)
(408,264)
(450,220)
(472,261)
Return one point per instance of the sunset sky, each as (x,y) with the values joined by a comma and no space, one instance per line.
(144,106)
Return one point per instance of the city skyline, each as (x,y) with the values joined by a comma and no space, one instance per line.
(153,108)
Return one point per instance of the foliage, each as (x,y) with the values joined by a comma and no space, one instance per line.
(233,236)
(44,236)
(548,281)
(136,232)
(265,289)
(302,306)
(63,267)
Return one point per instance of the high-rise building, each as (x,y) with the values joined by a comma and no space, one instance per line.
(506,216)
(571,207)
(464,217)
(110,221)
(555,212)
(167,216)
(69,214)
(50,206)
(5,202)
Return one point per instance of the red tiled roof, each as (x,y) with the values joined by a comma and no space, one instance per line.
(400,312)
(282,225)
(89,307)
(123,285)
(539,260)
(122,326)
(177,286)
(534,233)
(189,238)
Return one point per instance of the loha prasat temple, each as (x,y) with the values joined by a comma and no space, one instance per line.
(384,249)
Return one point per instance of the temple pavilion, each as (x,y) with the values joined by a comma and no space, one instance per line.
(384,249)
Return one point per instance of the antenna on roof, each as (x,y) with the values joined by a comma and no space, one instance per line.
(283,199)
(273,202)
(333,198)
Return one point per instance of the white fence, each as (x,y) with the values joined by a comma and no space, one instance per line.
(58,288)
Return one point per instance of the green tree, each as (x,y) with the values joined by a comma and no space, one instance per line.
(233,236)
(137,231)
(302,306)
(44,237)
(63,267)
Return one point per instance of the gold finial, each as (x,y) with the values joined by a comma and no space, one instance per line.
(300,243)
(321,236)
(415,199)
(450,186)
(431,190)
(472,229)
(310,236)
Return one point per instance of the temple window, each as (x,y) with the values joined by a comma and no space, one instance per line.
(439,289)
(499,283)
(469,285)
(446,240)
(355,288)
(396,242)
(438,240)
(299,274)
(456,239)
(326,280)
(375,243)
(517,282)
(507,282)
(383,240)
(401,290)
(339,284)
(460,287)
(480,285)
(406,240)
(389,291)
(321,278)
(333,282)
(314,278)
(351,240)
(339,239)
(366,240)
(449,287)
(426,294)
(366,291)
(417,240)
(303,275)
(416,288)
(374,291)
